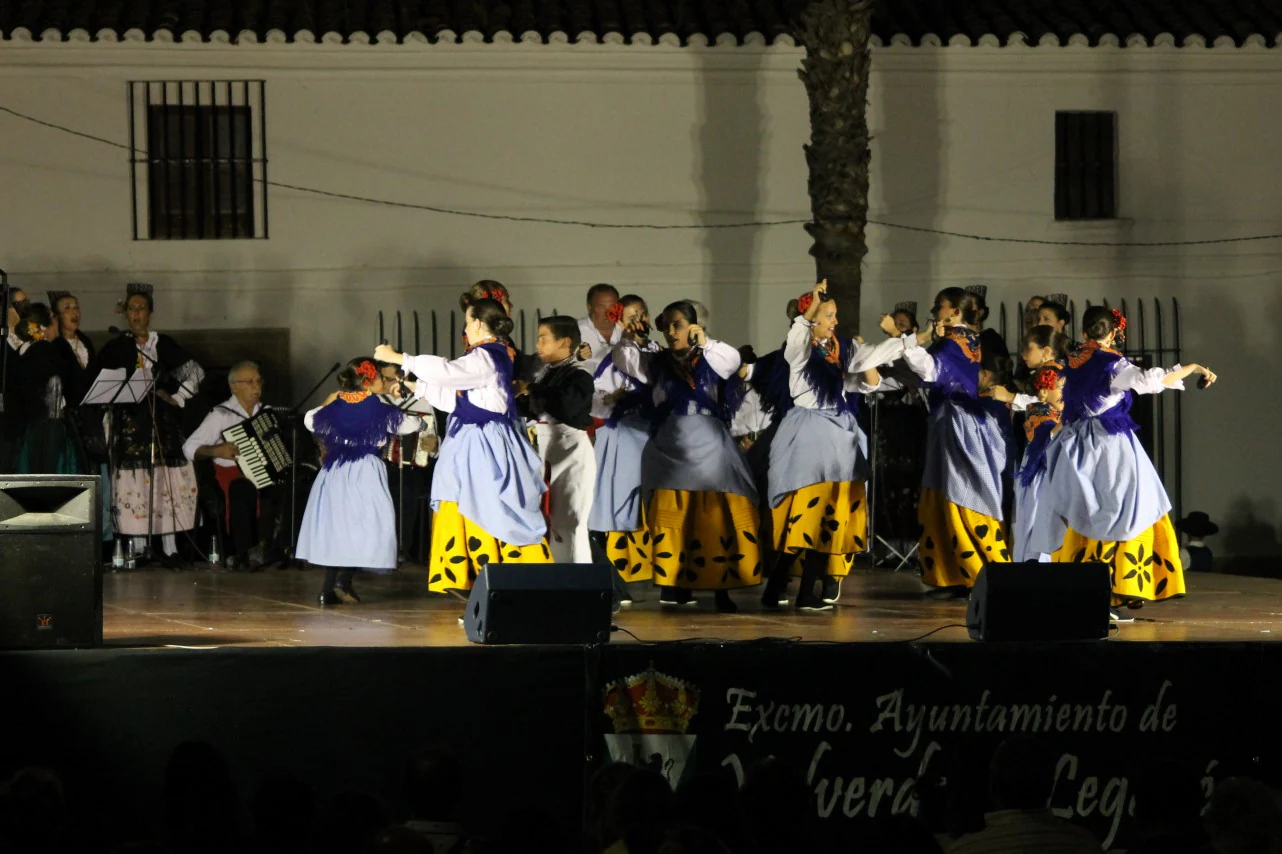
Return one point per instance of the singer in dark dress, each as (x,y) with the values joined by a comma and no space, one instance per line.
(45,444)
(171,506)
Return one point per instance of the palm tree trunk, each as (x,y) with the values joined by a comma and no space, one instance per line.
(835,34)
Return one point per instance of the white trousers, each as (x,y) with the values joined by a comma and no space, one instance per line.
(570,468)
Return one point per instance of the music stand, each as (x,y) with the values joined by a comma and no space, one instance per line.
(114,386)
(905,558)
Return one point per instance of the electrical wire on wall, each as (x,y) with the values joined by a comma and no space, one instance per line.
(643,226)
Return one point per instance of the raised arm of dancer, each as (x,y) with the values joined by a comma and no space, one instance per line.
(722,358)
(632,360)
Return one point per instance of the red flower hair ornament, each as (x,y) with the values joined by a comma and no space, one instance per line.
(805,301)
(367,370)
(615,313)
(1120,321)
(1046,379)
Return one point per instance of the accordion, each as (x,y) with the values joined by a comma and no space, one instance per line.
(261,452)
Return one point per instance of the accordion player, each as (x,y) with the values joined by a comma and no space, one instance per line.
(245,443)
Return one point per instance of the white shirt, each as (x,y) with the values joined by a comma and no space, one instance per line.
(225,415)
(1129,377)
(610,381)
(749,418)
(440,380)
(796,352)
(633,361)
(82,352)
(594,339)
(189,380)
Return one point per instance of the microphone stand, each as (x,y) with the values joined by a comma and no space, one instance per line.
(292,415)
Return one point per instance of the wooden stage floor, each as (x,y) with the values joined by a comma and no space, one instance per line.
(278,608)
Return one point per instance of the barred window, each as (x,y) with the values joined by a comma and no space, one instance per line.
(199,164)
(1085,165)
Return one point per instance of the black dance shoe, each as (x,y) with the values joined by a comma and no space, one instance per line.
(328,598)
(348,595)
(807,601)
(676,596)
(831,589)
(775,596)
(726,605)
(173,562)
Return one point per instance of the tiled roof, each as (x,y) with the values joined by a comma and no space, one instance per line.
(946,22)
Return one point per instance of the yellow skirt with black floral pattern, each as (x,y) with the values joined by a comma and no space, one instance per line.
(1146,567)
(704,540)
(629,552)
(830,518)
(461,549)
(956,542)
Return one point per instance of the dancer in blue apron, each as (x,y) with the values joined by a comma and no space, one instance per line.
(349,524)
(701,503)
(960,508)
(819,457)
(1038,418)
(1103,500)
(623,404)
(487,487)
(1041,426)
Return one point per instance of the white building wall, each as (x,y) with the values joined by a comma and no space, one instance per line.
(963,141)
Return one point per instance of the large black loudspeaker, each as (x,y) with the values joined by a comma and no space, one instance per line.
(541,603)
(1040,602)
(50,561)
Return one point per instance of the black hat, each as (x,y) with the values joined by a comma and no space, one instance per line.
(1197,524)
(910,307)
(54,296)
(134,289)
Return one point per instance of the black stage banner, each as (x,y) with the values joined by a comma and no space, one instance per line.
(882,730)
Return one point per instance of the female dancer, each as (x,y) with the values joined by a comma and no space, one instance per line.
(623,404)
(488,483)
(349,523)
(1043,356)
(1041,426)
(1103,500)
(960,508)
(702,510)
(819,457)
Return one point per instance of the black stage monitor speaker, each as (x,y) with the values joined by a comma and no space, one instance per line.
(541,603)
(1040,602)
(50,561)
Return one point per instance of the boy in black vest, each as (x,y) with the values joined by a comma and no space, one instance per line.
(560,402)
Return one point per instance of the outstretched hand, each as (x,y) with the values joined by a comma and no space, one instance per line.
(1002,394)
(385,353)
(888,326)
(1208,377)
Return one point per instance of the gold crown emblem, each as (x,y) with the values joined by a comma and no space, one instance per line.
(651,702)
